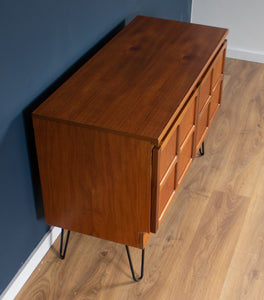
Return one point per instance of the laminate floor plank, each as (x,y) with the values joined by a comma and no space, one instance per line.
(210,244)
(199,271)
(245,278)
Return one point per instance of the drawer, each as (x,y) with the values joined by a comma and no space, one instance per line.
(218,66)
(202,126)
(215,101)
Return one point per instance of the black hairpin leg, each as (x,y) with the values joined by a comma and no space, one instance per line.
(63,252)
(131,265)
(201,150)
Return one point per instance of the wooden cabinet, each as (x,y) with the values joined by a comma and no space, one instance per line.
(115,141)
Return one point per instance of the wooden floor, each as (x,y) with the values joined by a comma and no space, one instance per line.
(211,242)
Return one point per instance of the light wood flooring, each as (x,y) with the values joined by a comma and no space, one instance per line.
(211,242)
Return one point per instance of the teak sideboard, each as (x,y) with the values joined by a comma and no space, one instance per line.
(115,141)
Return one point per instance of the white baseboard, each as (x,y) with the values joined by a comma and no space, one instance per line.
(245,55)
(30,264)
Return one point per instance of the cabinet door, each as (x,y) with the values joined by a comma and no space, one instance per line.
(215,101)
(217,83)
(186,130)
(218,66)
(165,161)
(205,90)
(168,169)
(95,182)
(172,160)
(210,90)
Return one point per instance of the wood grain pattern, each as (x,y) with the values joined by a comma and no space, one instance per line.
(79,195)
(210,245)
(137,83)
(245,277)
(175,156)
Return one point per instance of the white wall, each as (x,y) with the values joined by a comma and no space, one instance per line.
(243,18)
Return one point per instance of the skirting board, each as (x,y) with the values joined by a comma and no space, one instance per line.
(30,264)
(245,55)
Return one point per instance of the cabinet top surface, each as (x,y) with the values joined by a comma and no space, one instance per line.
(137,83)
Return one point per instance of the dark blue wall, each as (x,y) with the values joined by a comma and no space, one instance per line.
(39,41)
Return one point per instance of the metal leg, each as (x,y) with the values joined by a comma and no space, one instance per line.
(62,253)
(131,265)
(201,150)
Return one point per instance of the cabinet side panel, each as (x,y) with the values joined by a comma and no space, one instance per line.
(94,182)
